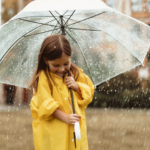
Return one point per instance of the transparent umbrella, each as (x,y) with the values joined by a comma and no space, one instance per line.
(105,42)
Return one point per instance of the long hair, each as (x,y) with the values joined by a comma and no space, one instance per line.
(52,48)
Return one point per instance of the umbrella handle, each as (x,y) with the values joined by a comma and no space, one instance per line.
(77,131)
(76,126)
(71,96)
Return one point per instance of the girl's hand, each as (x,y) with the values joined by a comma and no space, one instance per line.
(72,118)
(71,82)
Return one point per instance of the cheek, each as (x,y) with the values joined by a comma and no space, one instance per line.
(53,69)
(68,67)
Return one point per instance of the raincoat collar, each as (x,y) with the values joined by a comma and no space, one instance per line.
(57,76)
(53,75)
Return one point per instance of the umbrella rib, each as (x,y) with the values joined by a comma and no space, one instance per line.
(64,28)
(83,24)
(71,37)
(55,29)
(69,34)
(110,36)
(85,29)
(116,40)
(41,32)
(18,40)
(65,12)
(86,18)
(54,17)
(40,16)
(57,13)
(69,17)
(107,79)
(28,17)
(82,55)
(58,31)
(75,14)
(10,48)
(37,22)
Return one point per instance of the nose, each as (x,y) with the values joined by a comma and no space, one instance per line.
(61,69)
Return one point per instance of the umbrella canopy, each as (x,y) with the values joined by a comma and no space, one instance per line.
(104,42)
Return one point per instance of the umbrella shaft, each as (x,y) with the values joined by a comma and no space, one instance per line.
(72,101)
(71,96)
(62,26)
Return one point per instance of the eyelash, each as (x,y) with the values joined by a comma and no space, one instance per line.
(64,64)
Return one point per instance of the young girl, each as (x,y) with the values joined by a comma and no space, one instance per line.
(51,105)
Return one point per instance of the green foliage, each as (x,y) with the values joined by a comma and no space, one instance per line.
(123,91)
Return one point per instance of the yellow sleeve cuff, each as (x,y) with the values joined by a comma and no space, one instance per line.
(86,94)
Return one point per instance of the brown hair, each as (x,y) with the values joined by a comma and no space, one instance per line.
(52,48)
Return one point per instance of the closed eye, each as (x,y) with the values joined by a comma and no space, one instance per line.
(58,65)
(55,66)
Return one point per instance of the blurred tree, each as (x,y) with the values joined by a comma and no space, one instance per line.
(9,9)
(123,91)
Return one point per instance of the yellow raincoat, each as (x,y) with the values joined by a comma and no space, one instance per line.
(50,133)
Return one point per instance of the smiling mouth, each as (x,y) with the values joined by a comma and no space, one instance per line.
(61,73)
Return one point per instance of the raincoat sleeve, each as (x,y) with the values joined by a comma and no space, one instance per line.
(87,89)
(33,107)
(47,104)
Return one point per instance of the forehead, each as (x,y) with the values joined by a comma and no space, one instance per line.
(64,59)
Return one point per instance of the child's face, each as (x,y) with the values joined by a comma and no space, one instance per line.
(61,65)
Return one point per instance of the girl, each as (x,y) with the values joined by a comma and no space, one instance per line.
(51,106)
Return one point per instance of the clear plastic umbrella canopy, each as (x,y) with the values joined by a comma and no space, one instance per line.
(104,42)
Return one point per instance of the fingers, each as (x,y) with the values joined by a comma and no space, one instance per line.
(70,85)
(74,118)
(76,115)
(69,79)
(72,75)
(70,82)
(74,121)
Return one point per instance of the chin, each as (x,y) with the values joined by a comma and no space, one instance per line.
(61,75)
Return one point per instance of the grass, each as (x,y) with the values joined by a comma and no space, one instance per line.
(118,129)
(108,129)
